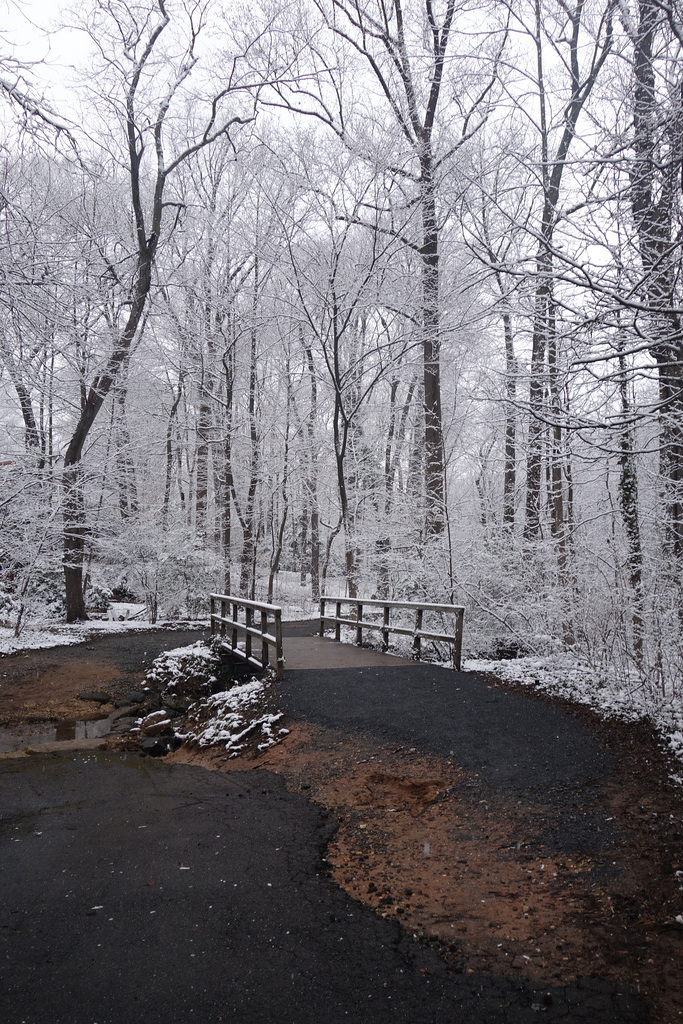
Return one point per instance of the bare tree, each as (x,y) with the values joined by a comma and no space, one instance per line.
(336,270)
(148,91)
(406,57)
(560,36)
(655,180)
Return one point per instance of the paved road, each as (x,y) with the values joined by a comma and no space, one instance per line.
(134,891)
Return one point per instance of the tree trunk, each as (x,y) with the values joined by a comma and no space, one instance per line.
(312,477)
(534,458)
(431,345)
(628,500)
(655,184)
(275,562)
(552,170)
(510,463)
(169,448)
(227,482)
(556,454)
(249,525)
(202,463)
(125,468)
(73,541)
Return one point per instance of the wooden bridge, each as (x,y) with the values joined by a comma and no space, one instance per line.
(253,631)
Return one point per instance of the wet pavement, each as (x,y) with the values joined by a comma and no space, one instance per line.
(141,892)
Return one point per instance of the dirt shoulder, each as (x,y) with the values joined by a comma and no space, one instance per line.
(43,685)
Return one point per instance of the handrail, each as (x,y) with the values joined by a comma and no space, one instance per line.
(417,632)
(221,622)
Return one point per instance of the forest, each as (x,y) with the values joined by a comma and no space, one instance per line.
(377,297)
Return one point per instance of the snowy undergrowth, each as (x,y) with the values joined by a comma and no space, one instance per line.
(564,675)
(235,718)
(191,667)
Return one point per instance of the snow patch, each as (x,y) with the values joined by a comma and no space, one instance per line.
(231,718)
(39,637)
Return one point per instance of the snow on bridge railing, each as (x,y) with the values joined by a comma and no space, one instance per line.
(228,621)
(417,632)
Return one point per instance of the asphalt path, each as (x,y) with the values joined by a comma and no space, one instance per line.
(515,746)
(514,742)
(136,891)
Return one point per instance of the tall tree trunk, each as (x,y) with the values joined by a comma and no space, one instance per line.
(227,483)
(138,41)
(312,476)
(510,461)
(556,453)
(628,501)
(392,452)
(249,525)
(32,441)
(275,562)
(74,502)
(552,170)
(431,346)
(204,426)
(536,432)
(125,467)
(170,427)
(73,506)
(655,183)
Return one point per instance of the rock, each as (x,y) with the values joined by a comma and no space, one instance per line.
(99,696)
(177,704)
(123,725)
(137,697)
(154,746)
(156,724)
(158,746)
(122,703)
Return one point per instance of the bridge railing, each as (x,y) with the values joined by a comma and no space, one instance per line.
(256,624)
(354,618)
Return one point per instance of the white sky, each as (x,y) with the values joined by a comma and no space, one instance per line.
(30,35)
(26,24)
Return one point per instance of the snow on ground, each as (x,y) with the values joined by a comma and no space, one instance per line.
(193,663)
(565,675)
(42,635)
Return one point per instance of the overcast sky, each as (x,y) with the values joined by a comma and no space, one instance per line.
(31,33)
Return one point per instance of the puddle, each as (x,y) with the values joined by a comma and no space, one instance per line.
(17,737)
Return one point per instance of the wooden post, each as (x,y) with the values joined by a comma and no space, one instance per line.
(264,643)
(213,624)
(235,618)
(224,615)
(417,640)
(337,627)
(457,646)
(248,622)
(279,656)
(385,631)
(359,628)
(322,616)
